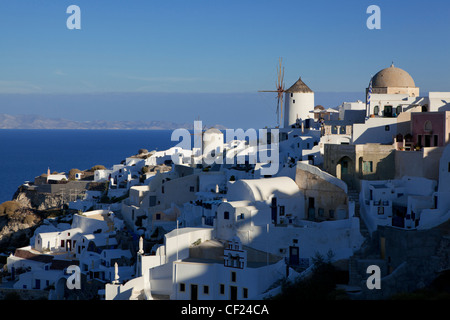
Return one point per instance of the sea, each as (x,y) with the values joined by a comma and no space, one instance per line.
(25,154)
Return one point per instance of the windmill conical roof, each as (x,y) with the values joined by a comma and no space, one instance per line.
(299,86)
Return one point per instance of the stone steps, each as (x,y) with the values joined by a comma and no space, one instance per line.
(353,195)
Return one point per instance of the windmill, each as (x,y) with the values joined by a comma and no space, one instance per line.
(280,90)
(198,133)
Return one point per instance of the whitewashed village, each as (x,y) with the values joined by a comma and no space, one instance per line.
(359,184)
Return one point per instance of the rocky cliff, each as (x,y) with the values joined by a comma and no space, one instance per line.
(17,228)
(39,201)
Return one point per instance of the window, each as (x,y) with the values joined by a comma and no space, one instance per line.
(158,216)
(427,126)
(222,288)
(331,213)
(435,140)
(293,101)
(191,189)
(205,289)
(182,287)
(245,293)
(62,243)
(226,215)
(282,209)
(380,210)
(399,110)
(386,128)
(321,212)
(367,166)
(242,216)
(376,110)
(233,276)
(162,189)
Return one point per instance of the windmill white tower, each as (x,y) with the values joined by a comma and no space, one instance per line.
(299,99)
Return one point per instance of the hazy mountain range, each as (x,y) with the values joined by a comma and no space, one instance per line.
(8,121)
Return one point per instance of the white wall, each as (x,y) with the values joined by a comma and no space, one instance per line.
(374,131)
(255,280)
(304,103)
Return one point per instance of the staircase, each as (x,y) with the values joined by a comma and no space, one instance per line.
(353,195)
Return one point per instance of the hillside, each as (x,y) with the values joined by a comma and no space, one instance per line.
(8,121)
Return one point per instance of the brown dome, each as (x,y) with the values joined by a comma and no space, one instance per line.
(393,77)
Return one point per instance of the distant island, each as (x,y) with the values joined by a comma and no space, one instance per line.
(8,121)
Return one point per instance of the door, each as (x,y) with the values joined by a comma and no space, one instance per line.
(311,209)
(388,111)
(233,293)
(194,292)
(345,171)
(382,247)
(427,140)
(38,284)
(274,209)
(294,259)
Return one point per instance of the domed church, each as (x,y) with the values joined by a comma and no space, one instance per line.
(394,80)
(392,91)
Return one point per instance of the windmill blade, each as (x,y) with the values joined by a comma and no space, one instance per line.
(281,108)
(278,111)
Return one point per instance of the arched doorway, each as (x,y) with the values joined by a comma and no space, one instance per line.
(345,169)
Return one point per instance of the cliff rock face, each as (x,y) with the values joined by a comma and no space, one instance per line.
(17,229)
(39,201)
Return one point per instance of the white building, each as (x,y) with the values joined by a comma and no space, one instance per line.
(270,215)
(193,265)
(396,203)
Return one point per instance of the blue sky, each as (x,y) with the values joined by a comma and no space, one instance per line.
(211,47)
